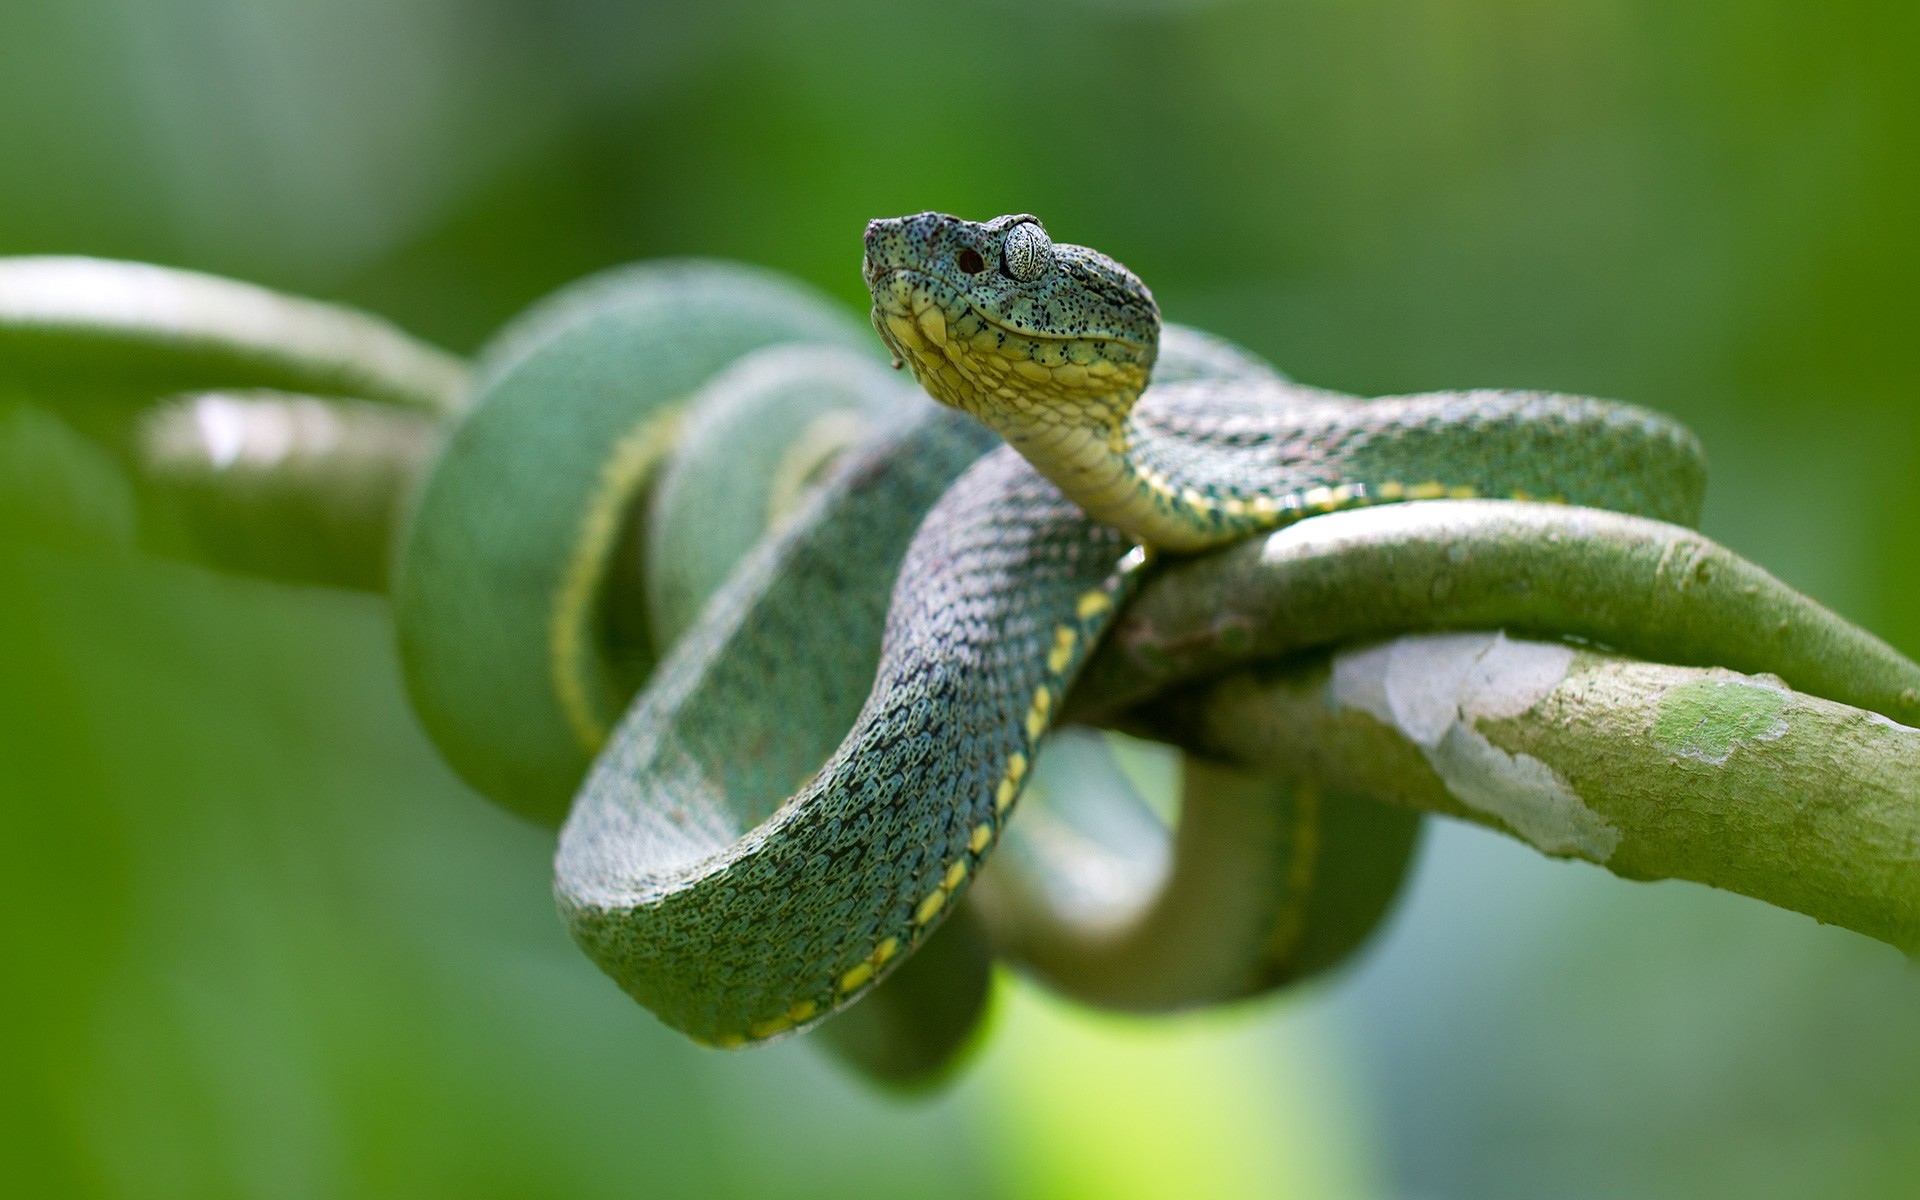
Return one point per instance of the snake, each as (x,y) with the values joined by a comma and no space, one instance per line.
(854,610)
(769,832)
(713,392)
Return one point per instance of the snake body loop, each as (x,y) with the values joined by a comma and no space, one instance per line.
(501,585)
(1263,879)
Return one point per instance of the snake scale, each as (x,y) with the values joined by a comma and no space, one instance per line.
(854,616)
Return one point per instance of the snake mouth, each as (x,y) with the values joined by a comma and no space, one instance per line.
(954,304)
(879,277)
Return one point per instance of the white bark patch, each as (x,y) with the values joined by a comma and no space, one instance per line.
(1433,688)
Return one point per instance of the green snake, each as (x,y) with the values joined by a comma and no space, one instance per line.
(856,620)
(745,870)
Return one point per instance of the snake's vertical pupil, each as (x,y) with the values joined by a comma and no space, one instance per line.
(969,260)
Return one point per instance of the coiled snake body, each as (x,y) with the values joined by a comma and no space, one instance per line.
(740,888)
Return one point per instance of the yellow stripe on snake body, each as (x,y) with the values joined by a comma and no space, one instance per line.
(499,587)
(579,684)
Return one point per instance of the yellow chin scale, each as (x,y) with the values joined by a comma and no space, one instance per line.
(1004,377)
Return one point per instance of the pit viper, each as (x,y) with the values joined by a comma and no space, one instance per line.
(771,829)
(858,613)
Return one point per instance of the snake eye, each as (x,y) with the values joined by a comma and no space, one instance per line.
(1028,252)
(969,260)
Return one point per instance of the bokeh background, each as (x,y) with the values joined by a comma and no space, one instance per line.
(258,941)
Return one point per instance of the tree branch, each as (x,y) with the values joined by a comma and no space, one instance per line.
(1653,771)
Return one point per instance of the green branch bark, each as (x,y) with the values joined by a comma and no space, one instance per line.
(1653,771)
(80,326)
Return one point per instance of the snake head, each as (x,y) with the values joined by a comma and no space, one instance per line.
(997,319)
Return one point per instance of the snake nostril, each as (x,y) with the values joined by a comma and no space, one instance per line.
(969,260)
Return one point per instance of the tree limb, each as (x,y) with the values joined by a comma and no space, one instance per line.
(1653,771)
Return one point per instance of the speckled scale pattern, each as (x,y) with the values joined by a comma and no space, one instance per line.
(738,446)
(1234,455)
(1188,471)
(736,932)
(737,719)
(1086,294)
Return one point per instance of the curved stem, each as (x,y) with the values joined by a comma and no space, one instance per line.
(1653,771)
(1657,591)
(84,326)
(288,487)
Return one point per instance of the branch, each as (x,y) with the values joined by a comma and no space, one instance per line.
(1653,771)
(288,487)
(75,326)
(1656,591)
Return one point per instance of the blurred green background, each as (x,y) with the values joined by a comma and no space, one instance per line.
(259,942)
